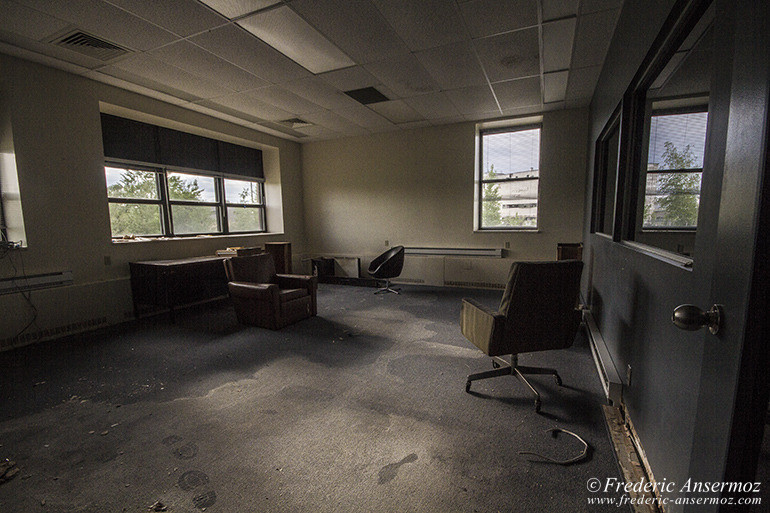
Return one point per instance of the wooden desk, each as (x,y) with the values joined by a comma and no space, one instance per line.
(173,283)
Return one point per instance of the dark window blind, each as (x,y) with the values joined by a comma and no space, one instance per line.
(127,139)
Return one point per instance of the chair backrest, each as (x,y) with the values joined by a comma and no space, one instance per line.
(389,264)
(252,269)
(540,305)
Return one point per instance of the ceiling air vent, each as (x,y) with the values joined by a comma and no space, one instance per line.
(295,123)
(89,45)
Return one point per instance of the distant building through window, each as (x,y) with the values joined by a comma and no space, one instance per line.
(509,163)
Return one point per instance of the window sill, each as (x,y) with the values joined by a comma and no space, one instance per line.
(193,237)
(508,230)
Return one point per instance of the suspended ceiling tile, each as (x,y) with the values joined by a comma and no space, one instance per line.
(148,83)
(424,24)
(582,82)
(318,91)
(433,106)
(473,99)
(396,111)
(318,132)
(555,9)
(453,66)
(146,66)
(284,100)
(447,121)
(237,46)
(355,77)
(404,76)
(250,105)
(490,17)
(365,117)
(509,56)
(589,6)
(373,38)
(200,62)
(236,8)
(32,24)
(594,34)
(409,125)
(182,17)
(106,21)
(287,32)
(524,92)
(332,121)
(558,37)
(228,111)
(555,86)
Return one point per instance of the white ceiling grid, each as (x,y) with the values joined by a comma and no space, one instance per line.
(437,61)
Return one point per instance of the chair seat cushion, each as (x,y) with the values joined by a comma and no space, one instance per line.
(286,295)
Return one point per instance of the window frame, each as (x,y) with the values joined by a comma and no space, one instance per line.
(480,181)
(166,203)
(602,172)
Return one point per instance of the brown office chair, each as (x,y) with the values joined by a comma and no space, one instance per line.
(266,299)
(538,312)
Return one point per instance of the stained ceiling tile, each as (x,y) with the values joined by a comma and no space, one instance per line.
(509,56)
(424,24)
(453,66)
(200,62)
(404,76)
(490,17)
(373,38)
(524,92)
(182,17)
(238,47)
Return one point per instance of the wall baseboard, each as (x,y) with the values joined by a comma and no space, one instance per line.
(608,373)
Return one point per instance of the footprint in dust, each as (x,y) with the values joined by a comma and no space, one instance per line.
(171,440)
(186,452)
(192,479)
(388,472)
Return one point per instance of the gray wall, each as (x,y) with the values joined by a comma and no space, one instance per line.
(56,138)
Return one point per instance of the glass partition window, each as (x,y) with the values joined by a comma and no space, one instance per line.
(606,176)
(509,161)
(157,202)
(674,168)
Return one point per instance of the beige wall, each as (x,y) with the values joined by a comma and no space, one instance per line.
(416,188)
(56,138)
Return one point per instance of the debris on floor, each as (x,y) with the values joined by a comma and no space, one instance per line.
(554,433)
(8,470)
(158,506)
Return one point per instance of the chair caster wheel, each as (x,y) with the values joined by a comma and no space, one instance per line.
(467,386)
(537,406)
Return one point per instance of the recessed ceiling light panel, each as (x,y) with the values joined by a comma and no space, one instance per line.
(287,32)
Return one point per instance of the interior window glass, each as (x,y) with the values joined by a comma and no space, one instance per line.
(670,165)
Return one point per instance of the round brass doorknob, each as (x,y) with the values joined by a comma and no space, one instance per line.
(692,318)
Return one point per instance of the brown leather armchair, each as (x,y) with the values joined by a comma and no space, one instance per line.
(538,312)
(266,299)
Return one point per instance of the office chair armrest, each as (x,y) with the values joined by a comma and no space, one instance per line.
(296,281)
(257,291)
(481,325)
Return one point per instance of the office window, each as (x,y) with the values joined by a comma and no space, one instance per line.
(156,202)
(674,168)
(509,163)
(606,176)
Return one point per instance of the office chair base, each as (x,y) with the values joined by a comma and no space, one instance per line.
(387,288)
(503,368)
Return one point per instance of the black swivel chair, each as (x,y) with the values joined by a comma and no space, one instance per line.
(387,266)
(539,311)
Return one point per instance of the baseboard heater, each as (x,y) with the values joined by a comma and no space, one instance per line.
(608,374)
(459,252)
(38,281)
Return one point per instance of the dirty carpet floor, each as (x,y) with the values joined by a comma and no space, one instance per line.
(361,409)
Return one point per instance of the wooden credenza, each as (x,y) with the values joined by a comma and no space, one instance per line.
(168,284)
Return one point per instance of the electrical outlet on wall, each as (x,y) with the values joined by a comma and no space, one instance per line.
(387,243)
